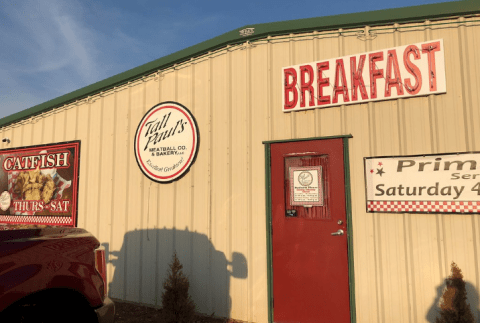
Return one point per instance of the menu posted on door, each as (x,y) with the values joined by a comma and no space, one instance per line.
(306,186)
(39,184)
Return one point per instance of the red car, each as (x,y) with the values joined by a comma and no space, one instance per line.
(53,274)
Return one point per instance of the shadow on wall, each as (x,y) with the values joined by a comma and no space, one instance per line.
(472,299)
(142,264)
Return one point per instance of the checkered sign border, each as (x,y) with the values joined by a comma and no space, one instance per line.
(424,206)
(49,220)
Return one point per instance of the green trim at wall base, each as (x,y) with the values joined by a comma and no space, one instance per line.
(348,209)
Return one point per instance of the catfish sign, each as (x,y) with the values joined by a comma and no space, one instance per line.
(166,142)
(400,72)
(39,184)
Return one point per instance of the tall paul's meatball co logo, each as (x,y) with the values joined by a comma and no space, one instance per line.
(166,142)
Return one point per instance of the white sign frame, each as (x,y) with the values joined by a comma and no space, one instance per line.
(166,142)
(412,70)
(301,191)
(433,183)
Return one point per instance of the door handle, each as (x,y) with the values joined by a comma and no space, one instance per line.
(340,232)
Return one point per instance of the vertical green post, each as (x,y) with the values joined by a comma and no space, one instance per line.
(348,208)
(268,200)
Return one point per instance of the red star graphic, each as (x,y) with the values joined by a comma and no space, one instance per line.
(380,164)
(371,171)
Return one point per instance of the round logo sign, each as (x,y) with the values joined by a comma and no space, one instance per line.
(166,142)
(305,178)
(5,200)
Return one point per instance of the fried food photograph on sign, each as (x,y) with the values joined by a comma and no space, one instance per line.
(33,185)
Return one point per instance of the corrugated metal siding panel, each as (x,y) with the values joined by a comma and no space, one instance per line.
(121,140)
(240,198)
(201,216)
(148,273)
(281,123)
(218,208)
(259,106)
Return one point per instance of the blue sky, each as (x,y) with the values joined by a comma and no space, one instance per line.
(53,47)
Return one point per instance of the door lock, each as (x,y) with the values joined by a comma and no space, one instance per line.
(340,232)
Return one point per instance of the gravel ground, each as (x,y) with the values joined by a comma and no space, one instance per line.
(130,313)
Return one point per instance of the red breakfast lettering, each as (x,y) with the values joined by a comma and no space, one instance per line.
(290,88)
(340,89)
(374,72)
(412,69)
(430,50)
(388,74)
(306,86)
(357,78)
(390,81)
(322,82)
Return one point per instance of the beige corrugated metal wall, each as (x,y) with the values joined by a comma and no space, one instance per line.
(218,208)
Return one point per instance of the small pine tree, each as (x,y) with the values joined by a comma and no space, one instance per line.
(178,307)
(454,307)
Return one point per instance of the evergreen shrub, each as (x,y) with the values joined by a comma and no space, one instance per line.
(178,306)
(454,307)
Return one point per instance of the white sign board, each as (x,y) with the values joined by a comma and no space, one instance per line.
(166,142)
(306,186)
(392,73)
(426,184)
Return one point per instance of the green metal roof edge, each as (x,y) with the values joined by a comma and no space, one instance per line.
(353,20)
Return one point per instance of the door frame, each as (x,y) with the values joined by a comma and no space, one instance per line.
(348,208)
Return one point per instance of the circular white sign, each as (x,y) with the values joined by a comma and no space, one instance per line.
(5,200)
(166,142)
(305,178)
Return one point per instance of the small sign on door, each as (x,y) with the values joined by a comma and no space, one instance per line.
(306,186)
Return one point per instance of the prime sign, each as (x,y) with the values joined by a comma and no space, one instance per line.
(427,184)
(400,72)
(166,142)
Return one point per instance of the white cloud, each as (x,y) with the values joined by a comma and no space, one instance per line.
(53,47)
(47,50)
(55,38)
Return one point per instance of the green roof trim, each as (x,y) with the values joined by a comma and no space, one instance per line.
(354,20)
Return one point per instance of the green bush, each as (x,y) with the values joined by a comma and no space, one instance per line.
(178,306)
(454,307)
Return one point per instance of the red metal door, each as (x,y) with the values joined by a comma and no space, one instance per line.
(310,265)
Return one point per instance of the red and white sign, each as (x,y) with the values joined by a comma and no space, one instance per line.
(427,184)
(306,186)
(39,184)
(400,72)
(166,142)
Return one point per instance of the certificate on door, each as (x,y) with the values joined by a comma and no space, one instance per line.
(306,187)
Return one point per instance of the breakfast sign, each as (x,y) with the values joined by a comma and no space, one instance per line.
(448,183)
(39,184)
(392,73)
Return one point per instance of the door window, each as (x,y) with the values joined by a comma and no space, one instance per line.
(307,193)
